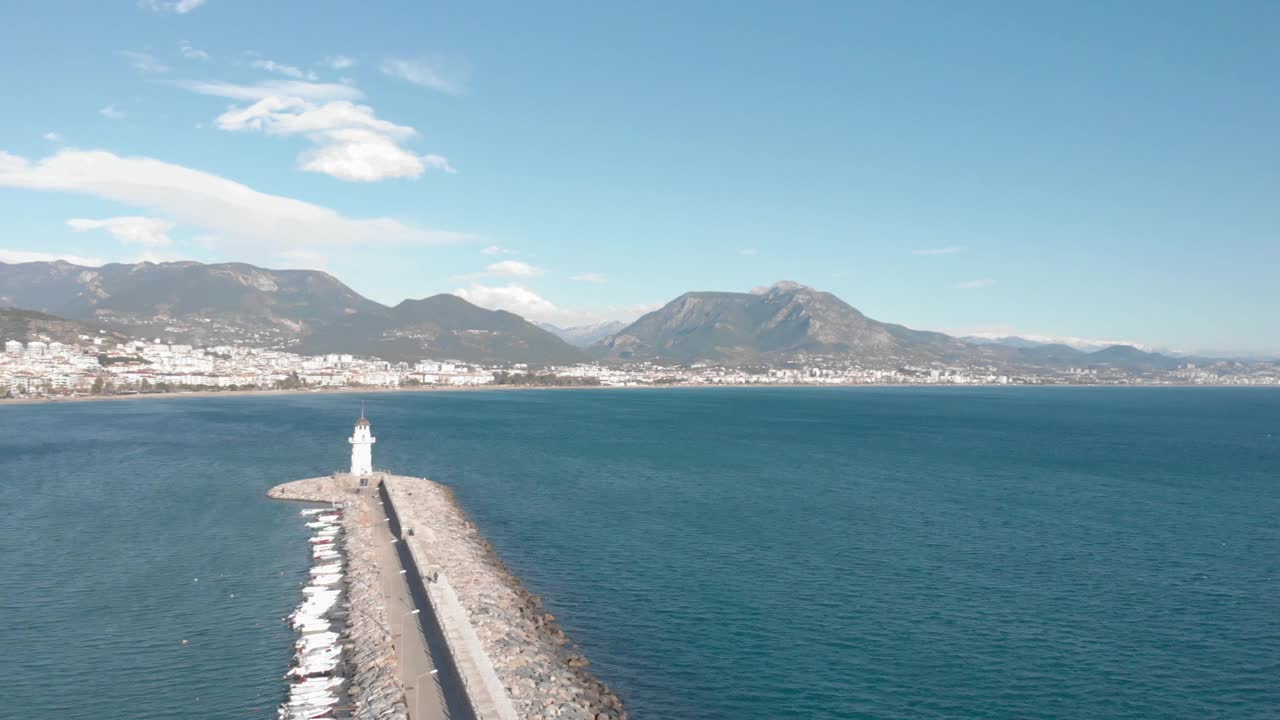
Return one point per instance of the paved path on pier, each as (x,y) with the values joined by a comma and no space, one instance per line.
(421,685)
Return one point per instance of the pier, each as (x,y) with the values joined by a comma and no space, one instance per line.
(463,638)
(435,626)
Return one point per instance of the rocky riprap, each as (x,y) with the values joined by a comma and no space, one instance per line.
(542,671)
(375,689)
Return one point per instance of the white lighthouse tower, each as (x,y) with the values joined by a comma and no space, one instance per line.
(362,441)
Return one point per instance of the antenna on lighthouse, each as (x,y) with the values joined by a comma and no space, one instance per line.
(361,409)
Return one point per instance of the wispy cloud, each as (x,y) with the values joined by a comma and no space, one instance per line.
(352,143)
(590,277)
(181,7)
(949,250)
(233,215)
(498,250)
(445,76)
(504,269)
(190,52)
(111,112)
(339,62)
(269,88)
(129,230)
(144,62)
(512,268)
(748,252)
(975,284)
(439,162)
(282,69)
(53,137)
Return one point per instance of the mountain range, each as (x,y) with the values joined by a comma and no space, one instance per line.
(313,312)
(299,310)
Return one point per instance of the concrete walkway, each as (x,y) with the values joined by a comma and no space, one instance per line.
(424,695)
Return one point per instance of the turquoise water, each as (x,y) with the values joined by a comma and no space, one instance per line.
(757,553)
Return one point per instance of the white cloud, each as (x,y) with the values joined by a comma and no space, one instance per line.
(144,62)
(529,304)
(498,250)
(181,7)
(590,277)
(975,284)
(446,77)
(271,88)
(282,69)
(305,259)
(339,62)
(232,214)
(53,137)
(439,162)
(512,298)
(130,229)
(749,252)
(353,143)
(360,156)
(512,268)
(950,250)
(26,256)
(278,115)
(111,112)
(190,52)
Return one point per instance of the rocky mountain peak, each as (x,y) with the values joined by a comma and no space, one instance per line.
(782,286)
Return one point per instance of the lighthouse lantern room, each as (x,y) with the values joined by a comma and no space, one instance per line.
(362,441)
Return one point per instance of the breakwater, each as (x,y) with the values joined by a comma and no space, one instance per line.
(542,673)
(344,661)
(492,650)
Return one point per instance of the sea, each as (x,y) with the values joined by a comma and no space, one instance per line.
(735,554)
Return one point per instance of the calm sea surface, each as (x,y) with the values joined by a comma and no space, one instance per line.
(735,554)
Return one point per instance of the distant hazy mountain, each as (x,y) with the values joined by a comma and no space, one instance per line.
(584,335)
(1008,341)
(785,320)
(1087,345)
(27,325)
(304,310)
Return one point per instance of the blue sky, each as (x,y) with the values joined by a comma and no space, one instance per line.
(1097,170)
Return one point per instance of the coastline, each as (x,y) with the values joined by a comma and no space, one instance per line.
(509,388)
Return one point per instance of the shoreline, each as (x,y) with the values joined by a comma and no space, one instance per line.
(511,388)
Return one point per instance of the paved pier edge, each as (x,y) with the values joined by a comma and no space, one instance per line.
(504,652)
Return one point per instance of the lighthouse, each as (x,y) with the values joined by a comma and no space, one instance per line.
(362,441)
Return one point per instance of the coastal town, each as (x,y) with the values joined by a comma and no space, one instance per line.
(96,366)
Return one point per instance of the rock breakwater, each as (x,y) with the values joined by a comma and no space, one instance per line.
(355,624)
(543,673)
(514,657)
